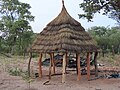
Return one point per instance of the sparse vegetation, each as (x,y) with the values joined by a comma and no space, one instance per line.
(110,60)
(15,71)
(19,72)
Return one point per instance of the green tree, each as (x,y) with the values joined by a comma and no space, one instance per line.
(14,21)
(106,7)
(115,38)
(107,38)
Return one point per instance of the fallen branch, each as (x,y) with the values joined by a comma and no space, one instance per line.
(46,83)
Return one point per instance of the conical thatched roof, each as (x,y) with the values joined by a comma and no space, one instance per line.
(63,34)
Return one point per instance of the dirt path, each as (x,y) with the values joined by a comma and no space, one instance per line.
(8,82)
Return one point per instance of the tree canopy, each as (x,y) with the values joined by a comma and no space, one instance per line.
(107,38)
(14,24)
(111,8)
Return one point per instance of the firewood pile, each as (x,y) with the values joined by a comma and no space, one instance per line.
(71,61)
(107,72)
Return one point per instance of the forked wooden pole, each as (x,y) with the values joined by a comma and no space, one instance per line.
(40,65)
(88,66)
(53,62)
(29,64)
(78,67)
(64,68)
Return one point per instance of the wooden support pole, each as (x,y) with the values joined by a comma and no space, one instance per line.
(50,66)
(78,67)
(67,61)
(76,63)
(40,65)
(88,66)
(63,69)
(95,64)
(53,62)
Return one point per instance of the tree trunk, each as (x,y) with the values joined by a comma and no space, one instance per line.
(119,49)
(113,52)
(103,54)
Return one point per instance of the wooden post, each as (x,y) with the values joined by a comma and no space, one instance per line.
(95,64)
(40,65)
(50,66)
(29,64)
(64,67)
(76,63)
(66,62)
(78,67)
(88,66)
(53,62)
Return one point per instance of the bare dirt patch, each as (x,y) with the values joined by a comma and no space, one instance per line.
(9,82)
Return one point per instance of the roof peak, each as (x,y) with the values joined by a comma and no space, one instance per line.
(64,18)
(63,2)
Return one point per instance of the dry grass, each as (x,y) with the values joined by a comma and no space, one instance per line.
(110,60)
(64,34)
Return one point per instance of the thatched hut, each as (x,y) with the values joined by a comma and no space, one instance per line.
(63,35)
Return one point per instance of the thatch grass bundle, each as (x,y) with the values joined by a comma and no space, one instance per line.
(63,34)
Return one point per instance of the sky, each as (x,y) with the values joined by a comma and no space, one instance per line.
(46,10)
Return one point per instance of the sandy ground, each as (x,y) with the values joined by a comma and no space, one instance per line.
(8,82)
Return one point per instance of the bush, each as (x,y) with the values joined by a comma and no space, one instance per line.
(15,71)
(18,72)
